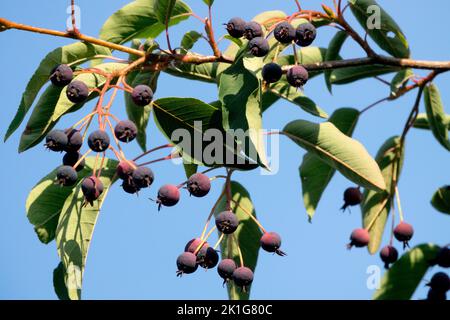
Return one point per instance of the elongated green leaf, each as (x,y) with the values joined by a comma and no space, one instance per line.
(75,230)
(423,123)
(400,80)
(334,48)
(138,19)
(377,205)
(247,236)
(189,39)
(387,34)
(401,280)
(63,55)
(59,284)
(339,151)
(436,115)
(208,2)
(441,200)
(163,10)
(205,72)
(316,174)
(352,74)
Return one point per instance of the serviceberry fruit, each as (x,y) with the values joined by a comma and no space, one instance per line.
(352,197)
(71,159)
(198,185)
(193,244)
(129,187)
(125,131)
(388,255)
(284,32)
(186,263)
(252,30)
(436,295)
(61,75)
(92,188)
(74,140)
(77,91)
(259,47)
(98,141)
(207,258)
(66,176)
(359,238)
(168,196)
(143,177)
(271,72)
(305,34)
(125,170)
(236,27)
(56,140)
(243,277)
(439,282)
(442,258)
(225,269)
(297,76)
(271,242)
(227,222)
(142,95)
(403,232)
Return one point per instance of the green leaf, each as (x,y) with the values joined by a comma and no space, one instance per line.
(205,72)
(316,174)
(209,3)
(377,205)
(189,39)
(163,10)
(423,123)
(339,151)
(59,284)
(190,169)
(441,200)
(247,235)
(63,55)
(139,20)
(401,280)
(334,48)
(396,45)
(75,230)
(352,74)
(436,115)
(400,80)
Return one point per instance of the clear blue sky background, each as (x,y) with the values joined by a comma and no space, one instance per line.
(133,252)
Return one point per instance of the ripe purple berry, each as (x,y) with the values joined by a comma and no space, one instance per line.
(352,197)
(125,131)
(186,263)
(271,242)
(129,187)
(236,27)
(225,269)
(143,177)
(442,258)
(168,196)
(61,75)
(359,238)
(259,47)
(92,188)
(142,95)
(305,34)
(193,244)
(66,176)
(98,141)
(271,72)
(56,140)
(284,32)
(71,159)
(297,76)
(440,282)
(125,170)
(77,91)
(388,255)
(74,140)
(199,185)
(243,277)
(227,222)
(207,257)
(252,30)
(403,232)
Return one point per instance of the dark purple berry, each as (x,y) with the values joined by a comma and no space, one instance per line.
(71,159)
(227,222)
(271,242)
(252,30)
(440,282)
(186,263)
(125,131)
(207,257)
(284,32)
(61,75)
(193,244)
(442,258)
(297,76)
(305,34)
(143,177)
(129,187)
(66,176)
(98,141)
(168,196)
(199,185)
(352,197)
(225,269)
(436,295)
(142,95)
(92,188)
(359,238)
(236,27)
(403,232)
(77,91)
(258,47)
(271,72)
(243,277)
(125,170)
(388,255)
(56,140)
(74,140)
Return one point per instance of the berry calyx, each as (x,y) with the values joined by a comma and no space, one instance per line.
(388,255)
(92,188)
(439,282)
(226,269)
(71,159)
(56,140)
(77,91)
(305,34)
(259,47)
(193,244)
(98,141)
(227,222)
(168,196)
(271,72)
(61,75)
(125,131)
(359,238)
(186,263)
(198,185)
(403,232)
(207,258)
(243,277)
(142,95)
(252,30)
(143,177)
(352,197)
(271,242)
(74,140)
(297,76)
(284,32)
(235,27)
(125,170)
(66,176)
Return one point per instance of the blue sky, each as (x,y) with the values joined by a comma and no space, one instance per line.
(133,252)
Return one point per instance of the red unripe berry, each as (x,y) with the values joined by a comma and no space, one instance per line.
(359,238)
(403,232)
(271,242)
(388,255)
